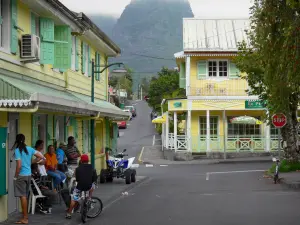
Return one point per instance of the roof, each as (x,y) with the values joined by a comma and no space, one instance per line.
(16,92)
(214,34)
(84,22)
(182,54)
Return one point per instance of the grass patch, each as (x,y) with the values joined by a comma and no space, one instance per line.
(285,167)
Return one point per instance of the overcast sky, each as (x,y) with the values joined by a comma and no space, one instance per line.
(201,8)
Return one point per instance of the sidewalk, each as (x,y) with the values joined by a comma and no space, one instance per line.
(290,180)
(154,155)
(108,193)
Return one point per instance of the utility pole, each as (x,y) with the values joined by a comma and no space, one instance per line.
(141,92)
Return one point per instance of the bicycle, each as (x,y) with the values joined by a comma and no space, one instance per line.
(87,204)
(276,173)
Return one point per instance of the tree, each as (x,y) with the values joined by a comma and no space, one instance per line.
(165,86)
(271,61)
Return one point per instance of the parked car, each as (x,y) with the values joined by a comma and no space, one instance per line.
(127,110)
(153,115)
(132,110)
(122,124)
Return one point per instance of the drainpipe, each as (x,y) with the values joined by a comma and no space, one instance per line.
(33,110)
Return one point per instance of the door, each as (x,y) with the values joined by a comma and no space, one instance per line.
(13,129)
(86,136)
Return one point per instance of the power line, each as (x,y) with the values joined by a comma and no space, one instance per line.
(152,57)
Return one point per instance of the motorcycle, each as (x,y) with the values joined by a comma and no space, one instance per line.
(118,167)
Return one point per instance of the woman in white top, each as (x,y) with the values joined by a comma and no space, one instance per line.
(39,145)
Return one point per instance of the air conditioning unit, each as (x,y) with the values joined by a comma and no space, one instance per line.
(30,47)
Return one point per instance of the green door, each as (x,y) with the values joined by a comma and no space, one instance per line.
(3,133)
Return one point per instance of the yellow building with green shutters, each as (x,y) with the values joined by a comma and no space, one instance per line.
(46,54)
(215,93)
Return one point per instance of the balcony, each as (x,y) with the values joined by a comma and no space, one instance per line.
(234,87)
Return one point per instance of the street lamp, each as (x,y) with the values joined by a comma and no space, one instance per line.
(93,100)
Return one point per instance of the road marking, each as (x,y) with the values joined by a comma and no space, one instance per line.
(128,124)
(153,142)
(149,165)
(141,154)
(135,166)
(163,165)
(239,171)
(121,134)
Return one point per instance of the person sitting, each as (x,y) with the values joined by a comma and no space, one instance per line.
(61,157)
(51,166)
(86,177)
(39,146)
(45,205)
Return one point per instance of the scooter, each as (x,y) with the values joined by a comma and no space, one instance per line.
(118,167)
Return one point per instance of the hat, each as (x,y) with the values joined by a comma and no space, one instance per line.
(84,158)
(62,144)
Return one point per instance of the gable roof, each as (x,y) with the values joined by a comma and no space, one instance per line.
(214,34)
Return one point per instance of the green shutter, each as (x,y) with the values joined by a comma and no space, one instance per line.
(14,29)
(76,53)
(35,129)
(47,41)
(115,137)
(66,129)
(50,131)
(75,128)
(89,132)
(202,69)
(182,76)
(83,56)
(107,133)
(99,64)
(62,47)
(33,23)
(89,61)
(233,71)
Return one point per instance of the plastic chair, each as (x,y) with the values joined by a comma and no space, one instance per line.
(33,197)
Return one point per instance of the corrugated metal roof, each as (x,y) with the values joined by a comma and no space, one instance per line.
(213,34)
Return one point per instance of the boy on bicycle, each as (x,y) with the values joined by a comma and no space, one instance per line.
(86,177)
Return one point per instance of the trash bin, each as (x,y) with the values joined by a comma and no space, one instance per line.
(122,105)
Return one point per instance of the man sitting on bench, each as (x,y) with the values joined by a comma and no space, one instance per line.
(45,205)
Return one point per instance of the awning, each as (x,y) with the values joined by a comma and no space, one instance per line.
(23,93)
(160,119)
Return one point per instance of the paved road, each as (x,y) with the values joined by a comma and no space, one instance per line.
(139,131)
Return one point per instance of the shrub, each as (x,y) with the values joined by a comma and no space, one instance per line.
(286,166)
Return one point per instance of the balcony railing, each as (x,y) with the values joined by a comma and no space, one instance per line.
(236,87)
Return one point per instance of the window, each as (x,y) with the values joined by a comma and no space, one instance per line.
(217,68)
(274,131)
(213,126)
(4,24)
(35,24)
(242,129)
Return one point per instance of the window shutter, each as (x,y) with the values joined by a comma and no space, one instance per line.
(107,133)
(182,76)
(14,25)
(75,128)
(47,41)
(99,64)
(83,56)
(33,24)
(202,69)
(233,71)
(35,129)
(77,53)
(49,130)
(89,61)
(62,47)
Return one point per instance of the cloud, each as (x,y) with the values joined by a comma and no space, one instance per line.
(201,8)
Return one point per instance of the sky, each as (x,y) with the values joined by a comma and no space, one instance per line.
(201,8)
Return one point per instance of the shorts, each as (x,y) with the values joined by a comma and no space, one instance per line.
(22,186)
(77,192)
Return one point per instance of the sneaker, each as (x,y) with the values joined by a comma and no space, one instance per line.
(68,216)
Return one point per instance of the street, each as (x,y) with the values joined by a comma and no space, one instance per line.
(197,194)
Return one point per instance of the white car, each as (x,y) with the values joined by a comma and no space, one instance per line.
(127,110)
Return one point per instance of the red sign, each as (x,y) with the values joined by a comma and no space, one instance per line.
(279,120)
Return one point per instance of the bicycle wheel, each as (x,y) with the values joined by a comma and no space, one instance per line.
(84,210)
(95,207)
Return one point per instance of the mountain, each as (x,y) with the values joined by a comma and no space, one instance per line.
(105,22)
(149,32)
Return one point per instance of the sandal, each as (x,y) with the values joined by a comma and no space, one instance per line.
(68,216)
(22,221)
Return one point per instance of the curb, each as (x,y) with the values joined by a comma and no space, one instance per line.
(282,181)
(229,161)
(140,156)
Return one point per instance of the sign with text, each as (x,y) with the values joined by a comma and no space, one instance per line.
(279,120)
(177,104)
(257,104)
